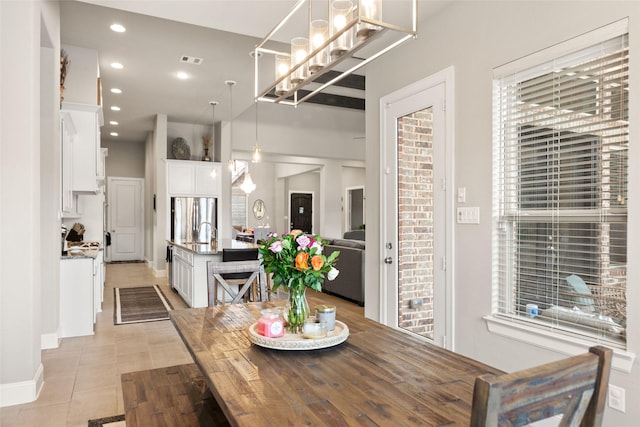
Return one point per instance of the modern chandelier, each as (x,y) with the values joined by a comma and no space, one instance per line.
(341,36)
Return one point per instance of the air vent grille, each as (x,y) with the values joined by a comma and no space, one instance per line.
(191,60)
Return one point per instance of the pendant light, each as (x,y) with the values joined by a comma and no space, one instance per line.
(213,104)
(256,155)
(247,183)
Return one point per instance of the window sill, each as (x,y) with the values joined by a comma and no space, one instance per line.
(622,360)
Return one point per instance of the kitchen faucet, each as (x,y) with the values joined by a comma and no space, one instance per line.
(214,232)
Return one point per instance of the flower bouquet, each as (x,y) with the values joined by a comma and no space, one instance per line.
(296,261)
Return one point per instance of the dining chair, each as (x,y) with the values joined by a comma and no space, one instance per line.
(573,388)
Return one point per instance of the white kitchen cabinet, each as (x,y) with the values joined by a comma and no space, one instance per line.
(190,178)
(183,274)
(86,146)
(76,297)
(206,184)
(67,133)
(98,284)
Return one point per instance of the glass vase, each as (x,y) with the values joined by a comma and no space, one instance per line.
(298,309)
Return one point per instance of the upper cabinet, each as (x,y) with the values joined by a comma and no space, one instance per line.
(191,178)
(86,154)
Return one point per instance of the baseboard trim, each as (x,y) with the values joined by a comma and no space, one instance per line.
(23,391)
(49,341)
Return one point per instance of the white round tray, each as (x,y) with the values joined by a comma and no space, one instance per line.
(297,341)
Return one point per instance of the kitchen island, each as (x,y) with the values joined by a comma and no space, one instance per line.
(189,273)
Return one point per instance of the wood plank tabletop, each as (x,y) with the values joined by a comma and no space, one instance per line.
(378,377)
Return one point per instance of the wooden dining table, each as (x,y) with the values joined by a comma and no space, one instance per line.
(379,376)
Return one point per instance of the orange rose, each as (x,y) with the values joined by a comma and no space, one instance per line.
(295,232)
(301,260)
(317,262)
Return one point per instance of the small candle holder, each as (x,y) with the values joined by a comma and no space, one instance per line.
(312,328)
(327,314)
(270,323)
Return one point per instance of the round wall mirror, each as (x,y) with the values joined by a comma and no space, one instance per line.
(258,209)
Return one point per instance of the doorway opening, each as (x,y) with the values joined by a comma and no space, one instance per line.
(416,289)
(355,208)
(301,212)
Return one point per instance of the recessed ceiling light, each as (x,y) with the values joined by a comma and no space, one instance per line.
(182,75)
(115,108)
(115,90)
(117,65)
(118,28)
(113,123)
(114,134)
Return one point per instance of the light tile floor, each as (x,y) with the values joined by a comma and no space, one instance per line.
(82,376)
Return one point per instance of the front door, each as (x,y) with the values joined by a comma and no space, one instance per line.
(125,218)
(414,214)
(301,212)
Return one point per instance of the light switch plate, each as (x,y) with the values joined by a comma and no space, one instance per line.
(468,215)
(462,194)
(616,398)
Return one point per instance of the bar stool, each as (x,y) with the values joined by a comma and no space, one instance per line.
(239,267)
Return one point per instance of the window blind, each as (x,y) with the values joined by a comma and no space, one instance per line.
(560,192)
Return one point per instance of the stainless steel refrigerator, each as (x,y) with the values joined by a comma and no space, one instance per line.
(193,219)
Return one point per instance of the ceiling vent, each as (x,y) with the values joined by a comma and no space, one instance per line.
(191,60)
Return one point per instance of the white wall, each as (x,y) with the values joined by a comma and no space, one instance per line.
(82,74)
(23,212)
(192,134)
(475,37)
(125,159)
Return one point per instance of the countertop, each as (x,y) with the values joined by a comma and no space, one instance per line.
(83,254)
(207,249)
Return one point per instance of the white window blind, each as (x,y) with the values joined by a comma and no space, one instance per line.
(238,208)
(560,192)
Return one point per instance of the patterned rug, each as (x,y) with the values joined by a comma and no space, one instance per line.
(116,421)
(140,304)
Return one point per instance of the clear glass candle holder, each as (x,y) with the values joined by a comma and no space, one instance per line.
(313,329)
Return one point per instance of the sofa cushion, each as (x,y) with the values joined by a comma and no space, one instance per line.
(354,235)
(345,243)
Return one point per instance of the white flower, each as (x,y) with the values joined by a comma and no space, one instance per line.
(333,273)
(318,247)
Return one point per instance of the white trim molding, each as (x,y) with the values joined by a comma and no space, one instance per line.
(23,391)
(49,341)
(550,340)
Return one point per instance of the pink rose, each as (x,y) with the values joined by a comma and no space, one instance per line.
(303,242)
(276,247)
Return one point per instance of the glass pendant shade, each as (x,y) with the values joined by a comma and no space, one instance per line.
(282,68)
(318,34)
(371,9)
(257,154)
(340,14)
(299,46)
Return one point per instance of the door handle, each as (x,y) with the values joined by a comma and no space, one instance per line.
(388,260)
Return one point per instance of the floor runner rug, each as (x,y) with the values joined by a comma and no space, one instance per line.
(117,420)
(140,304)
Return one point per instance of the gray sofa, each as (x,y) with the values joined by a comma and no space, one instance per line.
(350,282)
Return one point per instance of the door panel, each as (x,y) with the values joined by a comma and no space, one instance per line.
(413,202)
(301,212)
(125,218)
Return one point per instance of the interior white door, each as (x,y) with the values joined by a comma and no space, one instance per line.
(125,197)
(415,292)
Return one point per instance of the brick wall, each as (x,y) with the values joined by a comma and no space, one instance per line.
(415,222)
